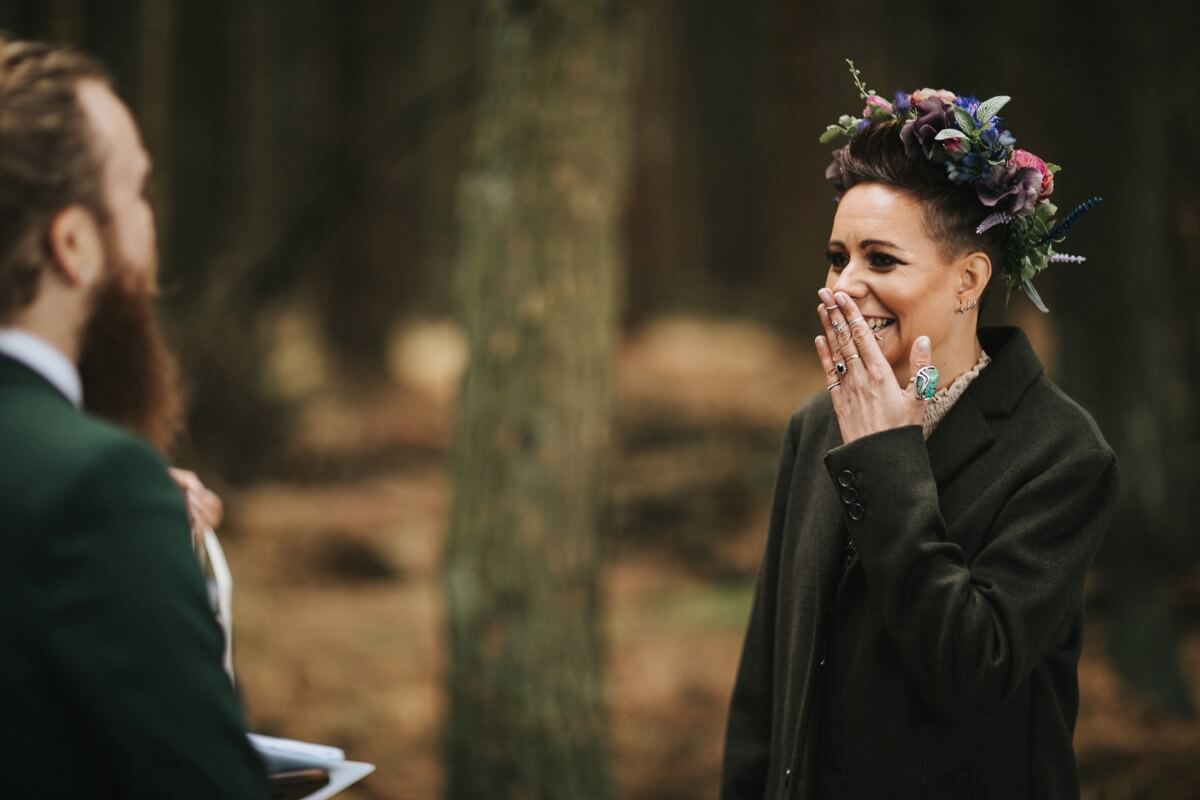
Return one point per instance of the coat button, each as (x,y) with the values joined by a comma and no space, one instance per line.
(787,778)
(845,478)
(849,495)
(856,512)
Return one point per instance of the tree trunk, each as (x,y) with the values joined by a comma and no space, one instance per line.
(536,286)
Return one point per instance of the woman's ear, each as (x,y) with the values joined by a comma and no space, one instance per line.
(77,246)
(973,275)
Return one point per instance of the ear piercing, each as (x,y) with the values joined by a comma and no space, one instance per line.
(965,307)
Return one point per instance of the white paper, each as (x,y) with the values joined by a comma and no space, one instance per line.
(220,593)
(283,755)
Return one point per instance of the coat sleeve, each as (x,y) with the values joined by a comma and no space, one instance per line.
(133,642)
(971,633)
(748,731)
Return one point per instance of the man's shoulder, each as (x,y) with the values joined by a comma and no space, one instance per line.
(53,453)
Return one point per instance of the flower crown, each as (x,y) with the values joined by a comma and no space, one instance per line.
(969,137)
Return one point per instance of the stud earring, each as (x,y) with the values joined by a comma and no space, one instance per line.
(965,307)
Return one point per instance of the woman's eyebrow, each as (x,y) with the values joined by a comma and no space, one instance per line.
(880,243)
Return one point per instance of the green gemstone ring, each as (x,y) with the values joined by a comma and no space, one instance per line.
(927,382)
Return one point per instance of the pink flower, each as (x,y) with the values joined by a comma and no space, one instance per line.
(876,104)
(921,95)
(953,146)
(1026,159)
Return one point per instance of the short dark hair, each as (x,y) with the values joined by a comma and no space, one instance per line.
(48,158)
(952,211)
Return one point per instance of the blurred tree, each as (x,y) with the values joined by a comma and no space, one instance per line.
(1124,338)
(381,111)
(536,287)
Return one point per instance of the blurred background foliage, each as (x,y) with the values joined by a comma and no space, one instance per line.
(308,156)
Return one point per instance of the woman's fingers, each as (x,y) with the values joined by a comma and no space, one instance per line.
(924,382)
(864,339)
(832,378)
(837,328)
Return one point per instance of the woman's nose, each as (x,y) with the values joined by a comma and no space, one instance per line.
(850,280)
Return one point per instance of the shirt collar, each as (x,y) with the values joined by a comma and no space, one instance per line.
(44,359)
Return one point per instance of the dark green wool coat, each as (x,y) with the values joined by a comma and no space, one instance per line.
(941,661)
(111,683)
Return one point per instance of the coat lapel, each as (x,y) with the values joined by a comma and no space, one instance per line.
(966,431)
(960,437)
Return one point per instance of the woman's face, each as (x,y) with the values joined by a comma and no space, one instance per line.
(880,255)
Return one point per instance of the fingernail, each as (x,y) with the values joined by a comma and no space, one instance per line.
(842,298)
(923,344)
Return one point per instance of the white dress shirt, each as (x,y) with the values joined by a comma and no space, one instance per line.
(45,359)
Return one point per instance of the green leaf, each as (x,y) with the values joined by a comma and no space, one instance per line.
(950,133)
(1054,168)
(1034,296)
(964,119)
(831,133)
(991,107)
(846,121)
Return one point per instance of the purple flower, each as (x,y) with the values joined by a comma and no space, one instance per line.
(863,124)
(918,134)
(902,102)
(1011,189)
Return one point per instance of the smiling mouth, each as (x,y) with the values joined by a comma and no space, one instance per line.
(880,324)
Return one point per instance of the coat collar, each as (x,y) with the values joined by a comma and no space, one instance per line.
(966,430)
(13,372)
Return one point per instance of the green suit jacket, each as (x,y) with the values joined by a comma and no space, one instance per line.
(111,683)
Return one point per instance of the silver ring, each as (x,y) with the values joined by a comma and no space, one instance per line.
(831,309)
(838,327)
(851,357)
(856,319)
(833,386)
(840,368)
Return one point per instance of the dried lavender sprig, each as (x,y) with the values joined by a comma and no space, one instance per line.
(1063,258)
(1060,230)
(992,220)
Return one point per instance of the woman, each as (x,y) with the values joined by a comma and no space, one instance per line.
(917,622)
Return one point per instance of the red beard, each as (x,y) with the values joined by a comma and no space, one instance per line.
(129,375)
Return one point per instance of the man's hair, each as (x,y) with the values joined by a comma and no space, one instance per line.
(952,211)
(48,158)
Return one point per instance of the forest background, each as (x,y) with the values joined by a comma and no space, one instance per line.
(493,314)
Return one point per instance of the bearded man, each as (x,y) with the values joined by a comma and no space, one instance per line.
(111,680)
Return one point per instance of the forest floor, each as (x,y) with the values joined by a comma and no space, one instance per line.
(339,609)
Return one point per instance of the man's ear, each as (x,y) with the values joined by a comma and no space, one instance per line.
(974,273)
(77,246)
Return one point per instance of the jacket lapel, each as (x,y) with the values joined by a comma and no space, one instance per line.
(966,431)
(960,437)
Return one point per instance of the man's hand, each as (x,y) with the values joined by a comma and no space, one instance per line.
(205,509)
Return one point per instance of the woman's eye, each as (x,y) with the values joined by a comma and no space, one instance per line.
(882,261)
(837,260)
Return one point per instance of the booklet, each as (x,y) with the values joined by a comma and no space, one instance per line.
(288,756)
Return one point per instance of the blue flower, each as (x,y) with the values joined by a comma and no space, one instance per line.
(902,102)
(971,104)
(970,167)
(863,124)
